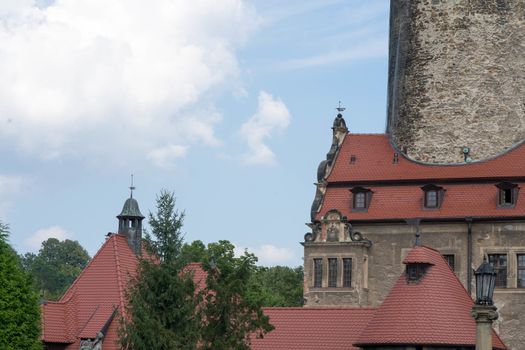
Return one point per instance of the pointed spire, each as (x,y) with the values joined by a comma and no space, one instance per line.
(131,187)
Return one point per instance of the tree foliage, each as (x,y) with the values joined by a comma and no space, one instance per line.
(277,286)
(166,228)
(165,308)
(162,302)
(56,266)
(19,312)
(229,316)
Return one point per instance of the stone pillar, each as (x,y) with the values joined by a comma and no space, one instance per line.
(484,316)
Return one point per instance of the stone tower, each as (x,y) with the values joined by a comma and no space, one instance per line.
(456,87)
(130,223)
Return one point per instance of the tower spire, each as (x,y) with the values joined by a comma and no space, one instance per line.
(131,187)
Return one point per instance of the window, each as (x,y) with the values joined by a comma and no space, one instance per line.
(499,263)
(347,272)
(507,194)
(414,272)
(361,198)
(332,272)
(318,273)
(433,196)
(451,260)
(521,270)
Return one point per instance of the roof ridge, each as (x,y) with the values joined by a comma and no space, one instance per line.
(119,278)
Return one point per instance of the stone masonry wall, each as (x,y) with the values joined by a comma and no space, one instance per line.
(456,78)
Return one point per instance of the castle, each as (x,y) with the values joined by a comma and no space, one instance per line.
(449,169)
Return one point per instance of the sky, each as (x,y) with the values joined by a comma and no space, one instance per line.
(229,104)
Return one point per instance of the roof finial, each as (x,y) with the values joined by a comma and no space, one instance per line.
(340,109)
(415,222)
(131,187)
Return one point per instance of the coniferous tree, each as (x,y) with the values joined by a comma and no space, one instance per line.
(162,301)
(19,312)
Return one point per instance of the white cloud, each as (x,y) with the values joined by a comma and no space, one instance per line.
(34,242)
(165,156)
(75,69)
(271,116)
(269,255)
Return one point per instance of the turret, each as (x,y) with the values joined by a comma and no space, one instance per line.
(130,223)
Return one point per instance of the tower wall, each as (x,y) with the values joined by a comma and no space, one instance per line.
(456,78)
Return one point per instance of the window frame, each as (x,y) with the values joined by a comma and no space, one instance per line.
(507,187)
(317,272)
(520,268)
(447,257)
(501,281)
(366,194)
(347,273)
(332,272)
(439,196)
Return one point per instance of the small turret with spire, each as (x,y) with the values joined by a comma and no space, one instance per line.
(130,222)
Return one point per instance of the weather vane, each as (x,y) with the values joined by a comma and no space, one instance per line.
(340,109)
(131,187)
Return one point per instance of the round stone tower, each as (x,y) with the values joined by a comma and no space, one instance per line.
(456,89)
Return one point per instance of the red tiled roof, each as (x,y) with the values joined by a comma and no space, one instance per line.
(374,155)
(91,299)
(313,328)
(405,201)
(199,275)
(434,311)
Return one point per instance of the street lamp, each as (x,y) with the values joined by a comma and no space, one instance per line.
(485,282)
(483,311)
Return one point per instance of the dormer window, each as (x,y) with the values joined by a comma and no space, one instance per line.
(507,194)
(433,196)
(414,272)
(361,198)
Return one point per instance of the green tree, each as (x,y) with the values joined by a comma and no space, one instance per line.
(56,266)
(277,286)
(19,312)
(193,252)
(166,227)
(162,301)
(229,317)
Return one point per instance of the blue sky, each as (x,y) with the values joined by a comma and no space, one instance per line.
(227,103)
